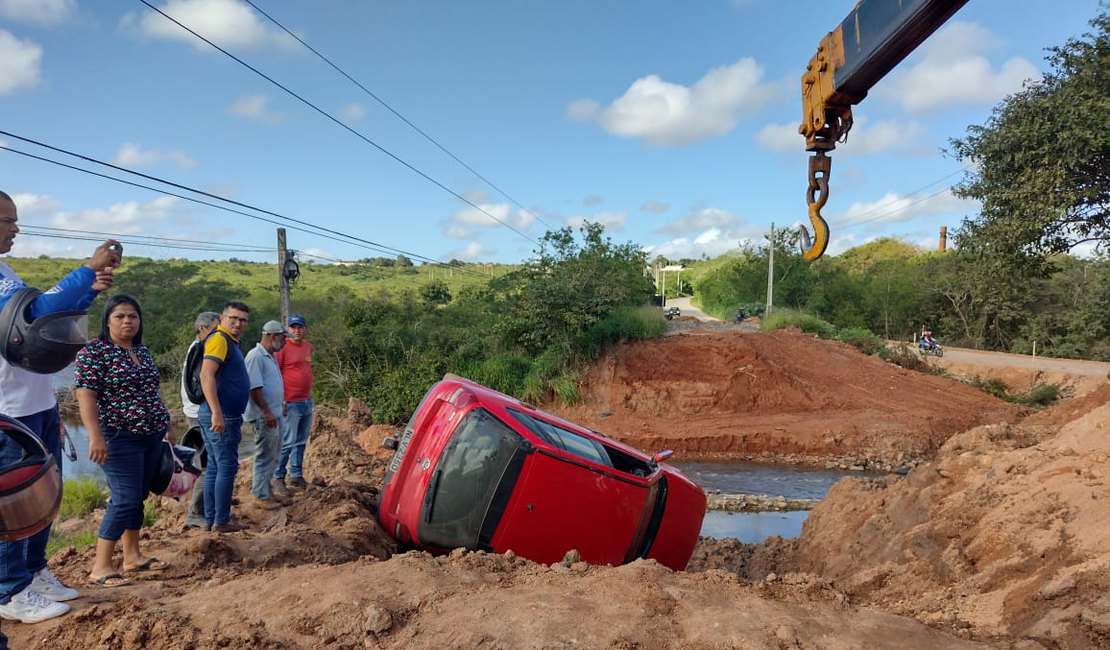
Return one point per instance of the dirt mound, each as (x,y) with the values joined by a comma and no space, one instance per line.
(783,395)
(1004,533)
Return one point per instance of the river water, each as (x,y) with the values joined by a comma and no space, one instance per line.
(771,480)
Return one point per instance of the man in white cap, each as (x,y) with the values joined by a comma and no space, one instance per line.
(264,412)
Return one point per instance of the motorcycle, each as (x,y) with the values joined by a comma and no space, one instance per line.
(929,347)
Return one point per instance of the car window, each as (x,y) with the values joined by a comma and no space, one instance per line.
(563,439)
(465,480)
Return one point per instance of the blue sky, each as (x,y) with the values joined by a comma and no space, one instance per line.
(672,123)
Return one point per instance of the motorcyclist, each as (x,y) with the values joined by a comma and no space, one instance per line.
(927,340)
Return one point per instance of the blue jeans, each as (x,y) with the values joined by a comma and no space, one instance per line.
(223,465)
(298,421)
(20,561)
(132,462)
(267,444)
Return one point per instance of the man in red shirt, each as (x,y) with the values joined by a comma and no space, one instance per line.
(295,362)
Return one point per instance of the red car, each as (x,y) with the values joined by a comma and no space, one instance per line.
(478,469)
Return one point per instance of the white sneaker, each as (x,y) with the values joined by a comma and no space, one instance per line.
(47,584)
(29,606)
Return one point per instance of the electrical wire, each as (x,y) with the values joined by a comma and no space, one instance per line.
(398,114)
(858,222)
(332,234)
(340,123)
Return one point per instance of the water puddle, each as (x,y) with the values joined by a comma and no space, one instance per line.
(771,480)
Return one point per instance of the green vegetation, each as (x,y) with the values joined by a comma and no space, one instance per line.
(81,496)
(78,541)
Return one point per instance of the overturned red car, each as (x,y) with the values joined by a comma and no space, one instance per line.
(480,470)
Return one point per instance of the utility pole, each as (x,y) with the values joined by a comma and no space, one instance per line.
(283,281)
(770,273)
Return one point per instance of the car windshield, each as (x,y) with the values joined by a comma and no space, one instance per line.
(465,480)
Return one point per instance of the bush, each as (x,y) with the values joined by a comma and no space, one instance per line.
(624,323)
(860,338)
(784,318)
(908,358)
(1040,396)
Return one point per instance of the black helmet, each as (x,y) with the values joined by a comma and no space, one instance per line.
(176,474)
(194,439)
(45,345)
(30,488)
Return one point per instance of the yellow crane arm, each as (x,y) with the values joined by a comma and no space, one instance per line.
(875,37)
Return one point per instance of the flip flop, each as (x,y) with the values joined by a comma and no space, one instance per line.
(152,564)
(110,580)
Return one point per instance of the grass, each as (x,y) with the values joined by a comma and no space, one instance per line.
(1039,396)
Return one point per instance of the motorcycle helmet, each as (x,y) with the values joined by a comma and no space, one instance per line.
(194,439)
(45,345)
(30,488)
(176,473)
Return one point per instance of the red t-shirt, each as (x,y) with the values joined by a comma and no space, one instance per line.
(295,361)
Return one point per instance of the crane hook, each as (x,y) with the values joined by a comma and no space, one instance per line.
(820,166)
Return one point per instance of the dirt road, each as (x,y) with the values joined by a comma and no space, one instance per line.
(1046,364)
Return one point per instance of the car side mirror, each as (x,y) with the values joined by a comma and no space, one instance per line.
(662,456)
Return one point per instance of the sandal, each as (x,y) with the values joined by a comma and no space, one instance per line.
(110,580)
(152,564)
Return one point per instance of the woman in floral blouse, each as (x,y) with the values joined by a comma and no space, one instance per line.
(117,391)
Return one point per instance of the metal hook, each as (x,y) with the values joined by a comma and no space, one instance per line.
(817,194)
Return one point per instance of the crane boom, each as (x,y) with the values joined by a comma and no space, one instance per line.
(875,37)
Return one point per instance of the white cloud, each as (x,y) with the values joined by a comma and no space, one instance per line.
(19,63)
(611,220)
(39,12)
(227,23)
(473,252)
(583,110)
(132,156)
(488,215)
(708,218)
(34,204)
(897,208)
(728,234)
(124,218)
(666,114)
(351,113)
(655,207)
(254,107)
(954,70)
(593,199)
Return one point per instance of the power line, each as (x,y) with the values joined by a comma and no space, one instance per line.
(349,239)
(341,124)
(396,113)
(859,222)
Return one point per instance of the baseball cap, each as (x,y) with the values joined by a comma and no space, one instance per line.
(297,319)
(273,327)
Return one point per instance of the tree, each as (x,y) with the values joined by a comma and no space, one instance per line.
(1043,158)
(435,293)
(569,287)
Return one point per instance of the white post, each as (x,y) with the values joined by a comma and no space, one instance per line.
(1034,349)
(664,292)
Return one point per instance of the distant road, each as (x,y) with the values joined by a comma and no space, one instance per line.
(1069,366)
(689,310)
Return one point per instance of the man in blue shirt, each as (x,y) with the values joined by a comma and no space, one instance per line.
(226,386)
(29,592)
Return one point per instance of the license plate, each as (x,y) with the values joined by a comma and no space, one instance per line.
(399,455)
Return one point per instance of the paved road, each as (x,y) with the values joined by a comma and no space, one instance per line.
(1069,366)
(688,309)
